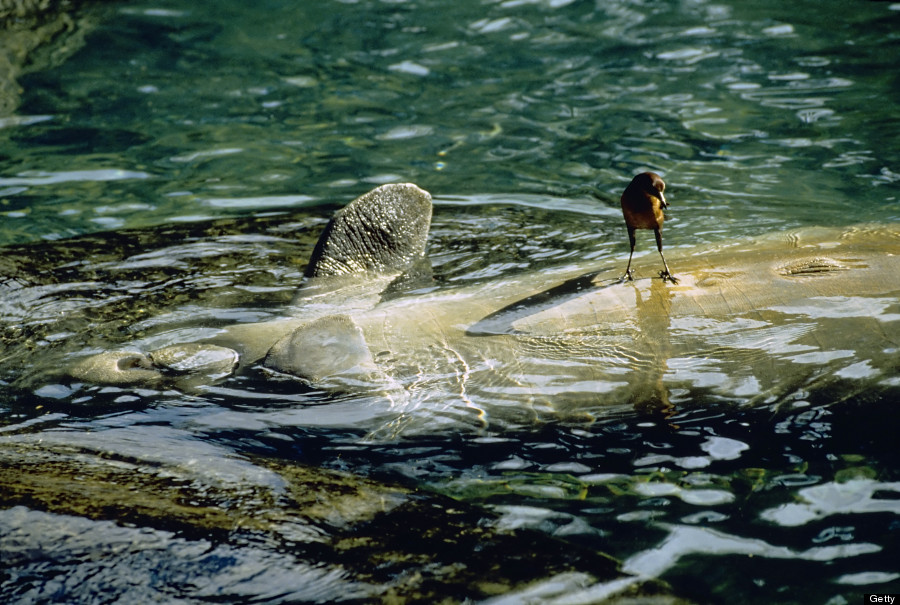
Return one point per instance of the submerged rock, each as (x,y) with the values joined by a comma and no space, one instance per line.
(344,536)
(35,35)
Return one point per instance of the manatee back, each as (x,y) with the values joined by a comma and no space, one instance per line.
(382,231)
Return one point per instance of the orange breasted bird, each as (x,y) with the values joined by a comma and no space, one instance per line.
(642,205)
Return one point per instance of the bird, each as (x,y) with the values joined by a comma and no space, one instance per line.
(642,205)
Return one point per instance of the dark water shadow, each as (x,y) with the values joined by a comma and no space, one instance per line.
(502,320)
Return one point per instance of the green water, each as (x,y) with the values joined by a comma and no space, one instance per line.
(175,172)
(757,116)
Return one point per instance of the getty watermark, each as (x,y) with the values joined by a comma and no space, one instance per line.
(889,599)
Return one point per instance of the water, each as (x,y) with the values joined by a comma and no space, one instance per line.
(190,113)
(175,172)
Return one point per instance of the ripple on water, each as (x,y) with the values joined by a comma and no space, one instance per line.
(821,501)
(526,118)
(141,563)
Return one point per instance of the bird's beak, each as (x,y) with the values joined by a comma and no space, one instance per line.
(662,198)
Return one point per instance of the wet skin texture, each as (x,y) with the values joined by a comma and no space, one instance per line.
(747,322)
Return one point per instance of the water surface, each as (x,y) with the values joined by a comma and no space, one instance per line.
(173,176)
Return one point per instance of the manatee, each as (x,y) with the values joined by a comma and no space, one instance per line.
(116,367)
(340,350)
(768,319)
(129,367)
(374,241)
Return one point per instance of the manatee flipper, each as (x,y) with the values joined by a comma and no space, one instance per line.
(382,231)
(321,349)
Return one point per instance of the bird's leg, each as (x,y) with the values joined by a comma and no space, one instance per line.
(629,274)
(664,274)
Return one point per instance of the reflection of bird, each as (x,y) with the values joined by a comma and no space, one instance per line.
(642,204)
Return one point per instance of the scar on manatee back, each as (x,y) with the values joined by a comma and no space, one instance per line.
(812,267)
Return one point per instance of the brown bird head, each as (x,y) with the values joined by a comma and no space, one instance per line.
(648,183)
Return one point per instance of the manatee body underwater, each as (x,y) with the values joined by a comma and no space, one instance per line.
(748,322)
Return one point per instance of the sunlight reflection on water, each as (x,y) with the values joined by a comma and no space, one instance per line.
(224,135)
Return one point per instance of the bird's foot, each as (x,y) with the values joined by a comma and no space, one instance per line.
(666,276)
(629,276)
